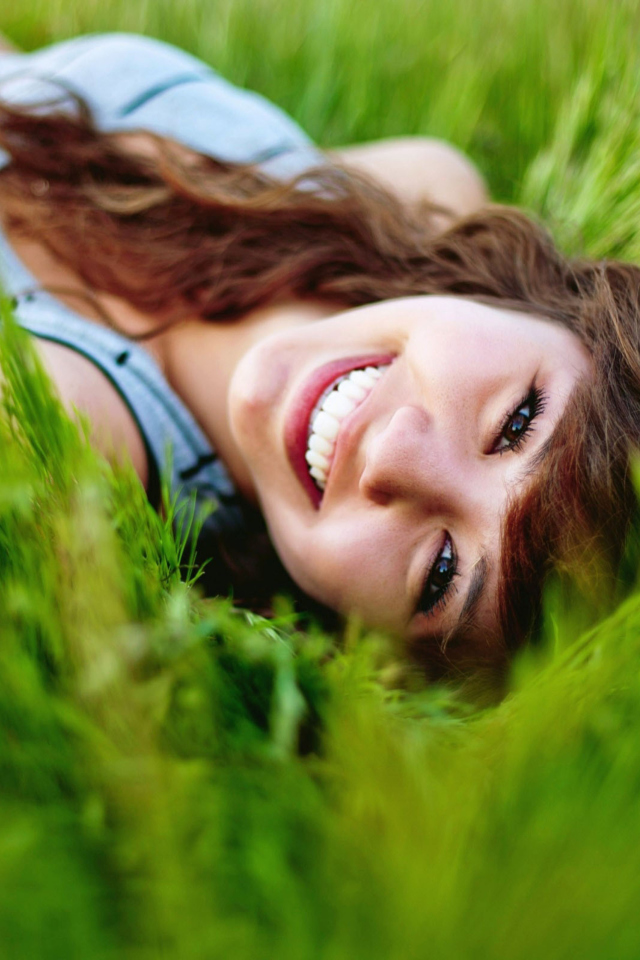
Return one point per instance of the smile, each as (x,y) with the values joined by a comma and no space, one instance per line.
(309,417)
(341,399)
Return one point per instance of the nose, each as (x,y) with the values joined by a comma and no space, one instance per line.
(407,460)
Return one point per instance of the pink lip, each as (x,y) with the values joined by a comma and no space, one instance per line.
(296,431)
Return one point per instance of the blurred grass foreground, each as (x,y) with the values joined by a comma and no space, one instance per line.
(181,780)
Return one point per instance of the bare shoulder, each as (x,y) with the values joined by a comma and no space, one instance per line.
(85,389)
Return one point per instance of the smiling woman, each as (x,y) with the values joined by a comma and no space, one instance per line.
(411,394)
(420,460)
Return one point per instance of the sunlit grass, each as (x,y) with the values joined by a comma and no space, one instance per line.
(178,779)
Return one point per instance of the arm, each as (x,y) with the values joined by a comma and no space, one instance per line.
(418,169)
(84,389)
(415,168)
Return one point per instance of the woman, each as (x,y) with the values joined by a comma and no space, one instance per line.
(401,393)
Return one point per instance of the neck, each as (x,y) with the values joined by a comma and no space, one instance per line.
(199,359)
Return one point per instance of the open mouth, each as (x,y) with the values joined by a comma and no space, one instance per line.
(342,397)
(319,409)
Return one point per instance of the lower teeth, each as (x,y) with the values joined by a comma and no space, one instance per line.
(356,387)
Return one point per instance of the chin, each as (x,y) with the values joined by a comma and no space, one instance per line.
(254,393)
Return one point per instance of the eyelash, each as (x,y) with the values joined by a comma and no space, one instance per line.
(429,603)
(536,400)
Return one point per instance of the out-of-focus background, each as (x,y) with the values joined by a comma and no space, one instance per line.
(180,780)
(543,95)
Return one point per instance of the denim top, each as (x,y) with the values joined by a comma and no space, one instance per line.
(137,83)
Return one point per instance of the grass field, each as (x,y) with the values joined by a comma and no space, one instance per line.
(179,780)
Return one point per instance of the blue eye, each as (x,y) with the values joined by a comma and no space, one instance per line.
(518,423)
(439,579)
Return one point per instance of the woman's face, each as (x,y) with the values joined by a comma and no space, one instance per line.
(415,461)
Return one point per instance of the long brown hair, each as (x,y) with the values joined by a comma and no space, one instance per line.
(177,229)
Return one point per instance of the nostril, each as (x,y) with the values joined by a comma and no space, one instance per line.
(379,482)
(380,499)
(373,491)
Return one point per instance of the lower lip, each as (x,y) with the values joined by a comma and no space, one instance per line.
(296,431)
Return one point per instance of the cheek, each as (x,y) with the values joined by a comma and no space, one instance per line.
(455,362)
(472,350)
(353,566)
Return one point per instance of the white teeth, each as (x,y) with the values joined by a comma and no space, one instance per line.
(326,425)
(362,379)
(320,445)
(349,389)
(316,460)
(319,475)
(338,405)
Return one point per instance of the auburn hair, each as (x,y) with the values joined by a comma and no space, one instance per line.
(175,233)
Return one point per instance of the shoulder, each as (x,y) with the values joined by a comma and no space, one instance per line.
(136,53)
(111,71)
(113,45)
(135,83)
(84,389)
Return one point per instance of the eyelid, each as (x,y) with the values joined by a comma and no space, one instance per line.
(442,600)
(534,394)
(509,414)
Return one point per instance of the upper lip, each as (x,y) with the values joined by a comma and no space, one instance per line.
(297,422)
(351,430)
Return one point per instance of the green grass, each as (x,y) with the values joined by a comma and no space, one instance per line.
(181,780)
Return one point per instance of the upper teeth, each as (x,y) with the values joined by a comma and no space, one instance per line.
(342,398)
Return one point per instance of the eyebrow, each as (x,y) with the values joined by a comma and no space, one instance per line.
(542,453)
(480,573)
(474,593)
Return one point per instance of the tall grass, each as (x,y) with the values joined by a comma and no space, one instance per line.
(180,779)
